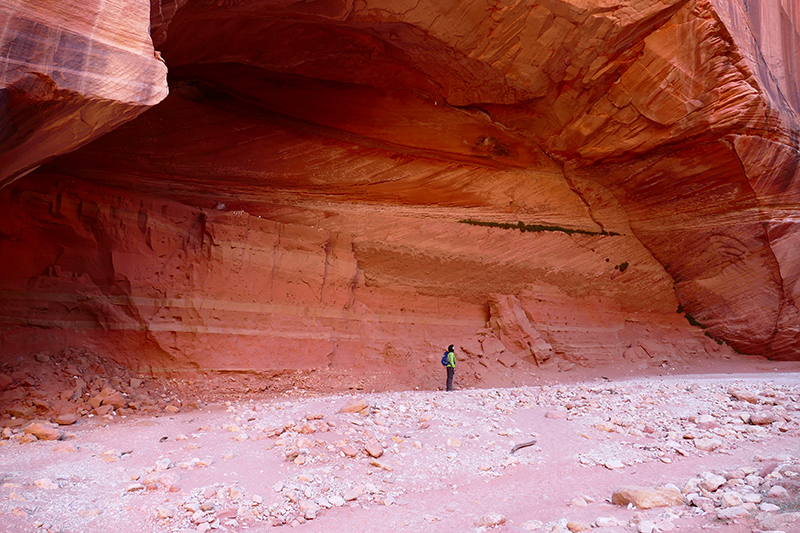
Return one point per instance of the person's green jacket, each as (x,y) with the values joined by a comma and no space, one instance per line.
(451,359)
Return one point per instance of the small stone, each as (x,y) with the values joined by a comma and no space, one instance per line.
(762,418)
(777,492)
(606,521)
(163,464)
(165,512)
(66,419)
(115,400)
(664,525)
(532,525)
(769,507)
(453,443)
(647,498)
(711,482)
(608,427)
(555,415)
(744,396)
(338,501)
(774,522)
(708,444)
(45,483)
(324,502)
(350,495)
(43,431)
(575,526)
(373,448)
(21,411)
(730,513)
(645,526)
(731,499)
(490,520)
(355,406)
(348,450)
(134,487)
(614,464)
(752,498)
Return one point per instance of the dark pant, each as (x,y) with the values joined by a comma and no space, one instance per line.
(450,372)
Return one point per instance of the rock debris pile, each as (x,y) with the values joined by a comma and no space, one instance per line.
(57,390)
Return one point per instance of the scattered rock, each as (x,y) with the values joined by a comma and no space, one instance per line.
(744,396)
(730,513)
(708,444)
(711,482)
(373,448)
(45,483)
(355,406)
(115,400)
(66,419)
(43,431)
(647,498)
(348,450)
(576,526)
(21,411)
(778,522)
(778,493)
(614,464)
(762,418)
(490,520)
(606,521)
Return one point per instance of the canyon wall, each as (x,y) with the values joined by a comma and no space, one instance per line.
(361,184)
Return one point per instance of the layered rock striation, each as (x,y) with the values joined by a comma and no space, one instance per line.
(335,183)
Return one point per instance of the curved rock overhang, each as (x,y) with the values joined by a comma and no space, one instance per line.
(362,182)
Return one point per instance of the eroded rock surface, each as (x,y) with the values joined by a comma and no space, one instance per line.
(363,184)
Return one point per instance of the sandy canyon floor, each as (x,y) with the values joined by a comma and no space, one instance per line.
(720,450)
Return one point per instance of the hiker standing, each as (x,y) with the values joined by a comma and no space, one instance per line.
(451,366)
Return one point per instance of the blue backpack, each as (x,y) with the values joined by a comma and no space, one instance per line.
(445,359)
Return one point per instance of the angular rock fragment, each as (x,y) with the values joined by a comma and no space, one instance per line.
(647,497)
(355,406)
(43,431)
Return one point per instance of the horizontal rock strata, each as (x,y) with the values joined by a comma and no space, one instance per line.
(334,183)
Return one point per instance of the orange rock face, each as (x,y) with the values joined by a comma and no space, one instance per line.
(70,72)
(362,184)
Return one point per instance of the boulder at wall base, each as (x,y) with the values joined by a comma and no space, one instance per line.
(515,330)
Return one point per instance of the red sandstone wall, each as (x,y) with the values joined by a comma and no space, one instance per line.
(295,201)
